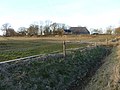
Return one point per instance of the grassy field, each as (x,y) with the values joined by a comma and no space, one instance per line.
(12,49)
(18,47)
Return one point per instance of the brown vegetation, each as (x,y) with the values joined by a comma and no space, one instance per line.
(108,76)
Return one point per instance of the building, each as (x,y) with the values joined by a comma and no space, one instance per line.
(10,32)
(76,30)
(67,31)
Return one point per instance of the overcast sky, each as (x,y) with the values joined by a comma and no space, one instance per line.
(89,13)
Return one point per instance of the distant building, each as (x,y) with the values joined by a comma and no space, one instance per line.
(10,32)
(76,30)
(67,31)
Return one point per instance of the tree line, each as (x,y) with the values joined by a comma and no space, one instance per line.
(109,30)
(35,29)
(48,28)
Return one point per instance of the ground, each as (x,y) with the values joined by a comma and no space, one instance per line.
(19,47)
(107,76)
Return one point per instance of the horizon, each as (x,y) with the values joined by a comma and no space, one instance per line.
(89,13)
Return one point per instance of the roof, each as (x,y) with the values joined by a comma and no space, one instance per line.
(79,30)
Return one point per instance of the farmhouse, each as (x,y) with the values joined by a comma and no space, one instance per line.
(76,30)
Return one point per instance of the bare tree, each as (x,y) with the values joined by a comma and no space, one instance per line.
(109,30)
(22,31)
(100,31)
(41,28)
(33,30)
(57,28)
(53,27)
(5,28)
(48,22)
(60,29)
(95,31)
(47,30)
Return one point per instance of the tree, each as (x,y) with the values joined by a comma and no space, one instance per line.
(22,31)
(60,29)
(33,30)
(36,29)
(60,32)
(57,28)
(100,31)
(63,26)
(95,31)
(53,27)
(117,30)
(109,30)
(47,30)
(41,28)
(5,28)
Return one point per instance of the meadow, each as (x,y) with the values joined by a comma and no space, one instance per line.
(19,48)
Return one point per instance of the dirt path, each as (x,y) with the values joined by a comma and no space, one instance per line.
(108,75)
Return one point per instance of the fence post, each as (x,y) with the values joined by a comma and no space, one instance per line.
(95,44)
(106,41)
(64,49)
(118,42)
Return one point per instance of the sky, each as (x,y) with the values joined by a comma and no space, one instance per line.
(89,13)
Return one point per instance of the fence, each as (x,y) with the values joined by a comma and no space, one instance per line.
(64,50)
(106,42)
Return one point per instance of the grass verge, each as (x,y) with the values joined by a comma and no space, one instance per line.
(108,75)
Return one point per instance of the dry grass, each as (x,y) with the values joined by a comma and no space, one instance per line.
(96,38)
(108,76)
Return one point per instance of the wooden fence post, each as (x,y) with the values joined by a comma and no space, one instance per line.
(106,41)
(95,44)
(64,48)
(118,41)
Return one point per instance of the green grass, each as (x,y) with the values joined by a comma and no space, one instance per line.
(13,49)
